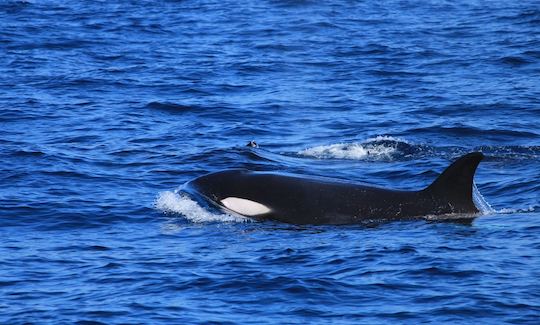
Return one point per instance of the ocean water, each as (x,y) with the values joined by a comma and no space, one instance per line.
(108,107)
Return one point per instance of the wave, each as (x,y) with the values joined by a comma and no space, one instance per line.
(179,203)
(515,60)
(378,148)
(170,107)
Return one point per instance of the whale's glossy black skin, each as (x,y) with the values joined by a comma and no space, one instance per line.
(299,199)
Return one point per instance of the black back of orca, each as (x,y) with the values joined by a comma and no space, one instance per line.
(300,199)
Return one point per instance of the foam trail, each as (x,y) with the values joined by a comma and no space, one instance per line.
(531,208)
(170,202)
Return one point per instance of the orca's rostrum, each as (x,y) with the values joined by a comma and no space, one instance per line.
(299,199)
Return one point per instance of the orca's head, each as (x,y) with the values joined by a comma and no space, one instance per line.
(220,185)
(230,189)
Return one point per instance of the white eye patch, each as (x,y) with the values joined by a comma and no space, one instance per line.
(244,206)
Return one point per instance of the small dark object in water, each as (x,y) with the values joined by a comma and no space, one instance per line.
(252,144)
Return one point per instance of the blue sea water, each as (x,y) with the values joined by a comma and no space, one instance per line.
(108,107)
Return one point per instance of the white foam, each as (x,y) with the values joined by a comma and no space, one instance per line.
(170,202)
(385,138)
(368,149)
(531,208)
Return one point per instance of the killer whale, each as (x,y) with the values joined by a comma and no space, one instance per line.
(300,199)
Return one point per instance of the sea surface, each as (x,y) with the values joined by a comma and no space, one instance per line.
(108,107)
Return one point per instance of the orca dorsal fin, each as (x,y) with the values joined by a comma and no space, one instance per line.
(455,184)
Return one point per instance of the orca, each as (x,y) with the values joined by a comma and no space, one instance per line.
(304,200)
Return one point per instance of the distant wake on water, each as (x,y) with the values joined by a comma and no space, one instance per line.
(388,148)
(378,148)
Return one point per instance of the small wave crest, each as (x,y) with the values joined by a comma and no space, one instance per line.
(179,203)
(378,148)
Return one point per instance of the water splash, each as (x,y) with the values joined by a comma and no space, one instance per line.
(480,202)
(486,209)
(178,203)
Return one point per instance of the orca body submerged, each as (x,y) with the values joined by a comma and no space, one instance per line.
(299,199)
